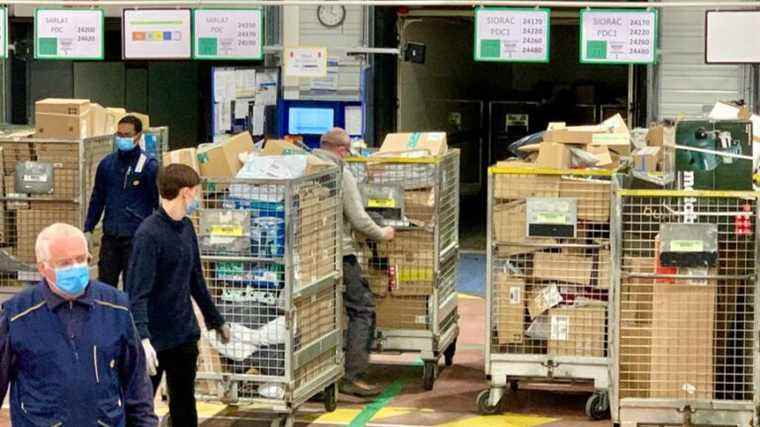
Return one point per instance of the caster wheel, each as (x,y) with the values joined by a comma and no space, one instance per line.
(514,386)
(284,421)
(429,375)
(331,398)
(166,421)
(598,406)
(483,407)
(448,355)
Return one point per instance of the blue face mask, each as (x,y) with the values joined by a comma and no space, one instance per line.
(193,206)
(124,143)
(72,280)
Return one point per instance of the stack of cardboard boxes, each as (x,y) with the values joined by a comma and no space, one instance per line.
(401,272)
(551,297)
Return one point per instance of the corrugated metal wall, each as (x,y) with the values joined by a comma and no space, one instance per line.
(685,85)
(348,35)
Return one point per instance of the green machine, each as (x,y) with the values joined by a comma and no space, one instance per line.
(714,155)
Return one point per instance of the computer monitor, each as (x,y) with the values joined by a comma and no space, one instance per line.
(310,121)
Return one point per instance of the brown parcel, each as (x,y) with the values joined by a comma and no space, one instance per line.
(393,312)
(510,309)
(220,159)
(577,331)
(31,222)
(553,155)
(522,186)
(279,147)
(593,197)
(184,156)
(315,315)
(315,235)
(432,142)
(61,126)
(510,226)
(419,206)
(62,106)
(682,341)
(61,155)
(562,267)
(411,253)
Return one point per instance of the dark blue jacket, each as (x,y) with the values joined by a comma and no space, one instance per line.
(89,372)
(125,187)
(164,273)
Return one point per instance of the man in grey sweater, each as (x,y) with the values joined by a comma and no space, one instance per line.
(357,297)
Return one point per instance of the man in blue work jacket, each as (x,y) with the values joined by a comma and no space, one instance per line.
(125,187)
(165,275)
(68,345)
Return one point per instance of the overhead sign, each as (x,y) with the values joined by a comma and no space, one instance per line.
(4,32)
(618,36)
(305,62)
(228,34)
(731,37)
(67,34)
(512,35)
(156,34)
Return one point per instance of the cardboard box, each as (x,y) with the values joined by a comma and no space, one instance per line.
(62,106)
(62,156)
(542,299)
(113,115)
(647,159)
(420,206)
(279,147)
(519,186)
(98,121)
(661,135)
(553,155)
(14,152)
(635,360)
(602,267)
(31,222)
(220,159)
(510,309)
(315,315)
(315,238)
(411,253)
(593,197)
(410,312)
(184,156)
(510,226)
(562,267)
(432,142)
(62,126)
(682,341)
(578,331)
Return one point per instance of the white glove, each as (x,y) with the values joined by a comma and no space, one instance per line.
(151,359)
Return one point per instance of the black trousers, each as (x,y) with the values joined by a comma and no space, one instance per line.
(360,310)
(114,258)
(181,365)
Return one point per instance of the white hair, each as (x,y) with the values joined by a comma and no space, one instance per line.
(59,229)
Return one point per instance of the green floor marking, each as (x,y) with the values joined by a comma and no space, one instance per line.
(373,408)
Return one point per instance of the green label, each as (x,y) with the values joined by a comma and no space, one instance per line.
(48,46)
(207,46)
(203,158)
(596,49)
(686,246)
(414,139)
(551,218)
(490,48)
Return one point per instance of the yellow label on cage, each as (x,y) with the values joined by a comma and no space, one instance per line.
(551,218)
(687,246)
(381,203)
(227,230)
(414,274)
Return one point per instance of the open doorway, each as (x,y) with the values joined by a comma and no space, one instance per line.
(484,107)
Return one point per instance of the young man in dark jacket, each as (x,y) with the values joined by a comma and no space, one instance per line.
(125,188)
(164,274)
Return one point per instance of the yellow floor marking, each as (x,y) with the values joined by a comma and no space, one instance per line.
(506,420)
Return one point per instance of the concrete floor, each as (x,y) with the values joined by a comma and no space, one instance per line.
(450,404)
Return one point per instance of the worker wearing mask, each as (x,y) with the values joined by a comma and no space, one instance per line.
(125,188)
(68,346)
(164,274)
(357,297)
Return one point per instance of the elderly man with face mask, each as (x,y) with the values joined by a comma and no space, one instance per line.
(68,345)
(357,297)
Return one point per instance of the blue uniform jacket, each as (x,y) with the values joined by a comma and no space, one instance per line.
(94,377)
(125,187)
